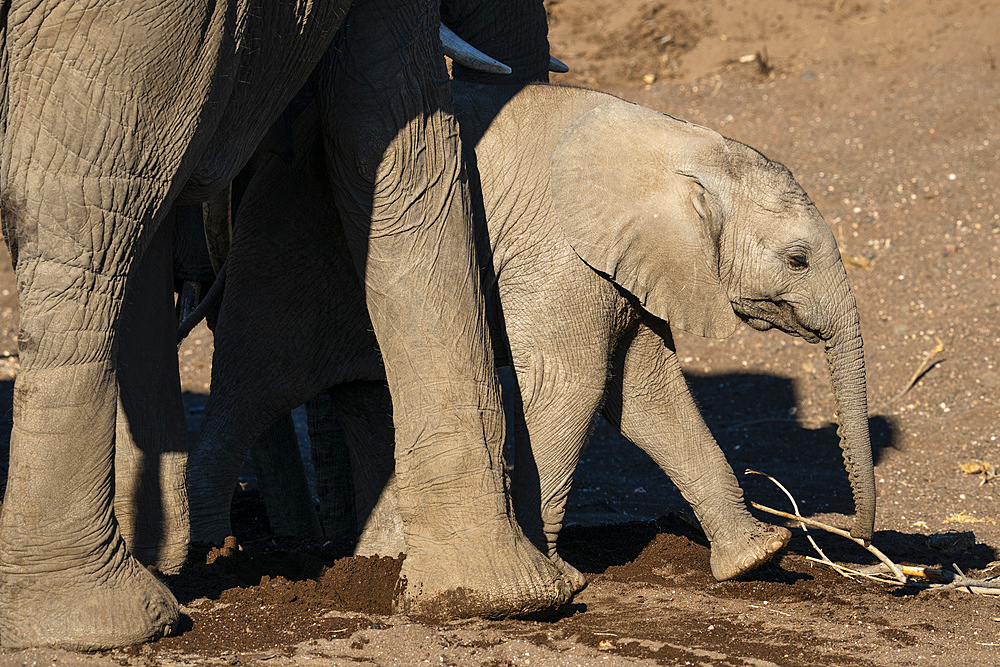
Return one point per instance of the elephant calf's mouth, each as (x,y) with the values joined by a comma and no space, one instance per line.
(757,323)
(763,315)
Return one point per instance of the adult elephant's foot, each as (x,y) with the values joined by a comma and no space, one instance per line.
(382,532)
(213,471)
(99,606)
(166,552)
(66,576)
(747,549)
(210,528)
(492,572)
(209,512)
(382,536)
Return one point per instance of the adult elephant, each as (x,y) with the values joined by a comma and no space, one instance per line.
(111,113)
(515,32)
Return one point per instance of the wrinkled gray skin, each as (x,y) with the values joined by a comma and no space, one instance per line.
(608,225)
(112,112)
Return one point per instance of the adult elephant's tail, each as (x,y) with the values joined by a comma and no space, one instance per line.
(6,210)
(4,11)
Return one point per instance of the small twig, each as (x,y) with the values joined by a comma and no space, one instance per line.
(930,573)
(979,586)
(850,573)
(961,575)
(925,366)
(795,508)
(939,580)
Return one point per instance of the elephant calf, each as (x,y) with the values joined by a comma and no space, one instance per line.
(606,225)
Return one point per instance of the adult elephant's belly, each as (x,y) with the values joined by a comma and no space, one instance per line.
(275,47)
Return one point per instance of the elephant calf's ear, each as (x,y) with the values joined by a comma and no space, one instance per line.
(628,214)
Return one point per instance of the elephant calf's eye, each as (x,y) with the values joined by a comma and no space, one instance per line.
(797,261)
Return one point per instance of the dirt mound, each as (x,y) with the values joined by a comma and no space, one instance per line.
(651,596)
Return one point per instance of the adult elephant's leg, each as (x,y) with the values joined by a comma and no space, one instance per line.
(395,154)
(364,417)
(352,438)
(656,411)
(246,401)
(150,436)
(332,464)
(281,476)
(66,577)
(93,151)
(292,321)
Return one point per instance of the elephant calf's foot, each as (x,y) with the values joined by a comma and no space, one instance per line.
(209,514)
(118,605)
(167,557)
(491,573)
(747,550)
(576,579)
(161,543)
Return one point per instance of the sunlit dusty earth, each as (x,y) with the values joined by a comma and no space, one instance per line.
(888,113)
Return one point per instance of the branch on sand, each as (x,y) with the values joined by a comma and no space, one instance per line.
(887,572)
(925,366)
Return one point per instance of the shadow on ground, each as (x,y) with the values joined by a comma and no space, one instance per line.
(752,418)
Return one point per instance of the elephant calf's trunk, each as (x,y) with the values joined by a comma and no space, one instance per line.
(845,356)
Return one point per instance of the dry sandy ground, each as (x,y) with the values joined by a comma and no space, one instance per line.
(888,113)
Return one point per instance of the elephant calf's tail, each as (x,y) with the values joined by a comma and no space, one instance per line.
(212,298)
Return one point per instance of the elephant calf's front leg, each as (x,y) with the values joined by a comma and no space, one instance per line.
(550,429)
(658,413)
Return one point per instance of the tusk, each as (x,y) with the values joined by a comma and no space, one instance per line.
(557,66)
(464,53)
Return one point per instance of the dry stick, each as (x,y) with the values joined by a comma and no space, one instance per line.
(930,573)
(850,573)
(795,508)
(925,366)
(901,573)
(960,574)
(837,531)
(940,580)
(977,586)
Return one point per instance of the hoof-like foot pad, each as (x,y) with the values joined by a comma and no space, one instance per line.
(752,549)
(129,607)
(512,579)
(575,578)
